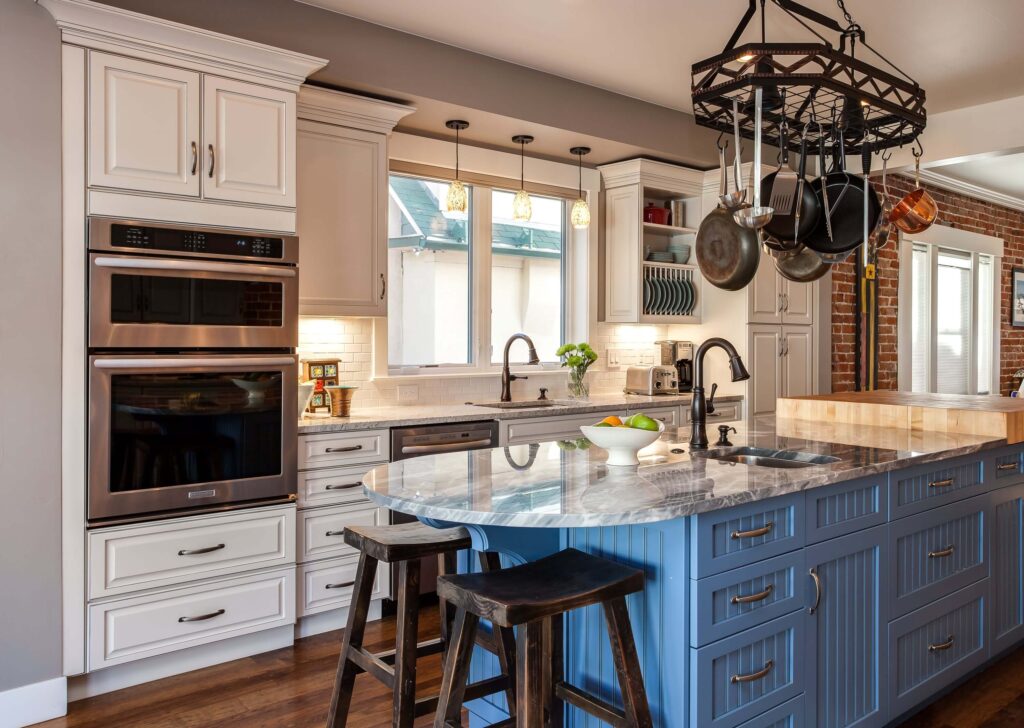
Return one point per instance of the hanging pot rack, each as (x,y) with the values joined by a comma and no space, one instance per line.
(828,90)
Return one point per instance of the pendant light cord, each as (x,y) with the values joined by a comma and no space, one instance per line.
(580,155)
(456,154)
(522,164)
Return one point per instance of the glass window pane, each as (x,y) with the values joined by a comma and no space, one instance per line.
(527,279)
(429,275)
(986,325)
(953,323)
(920,312)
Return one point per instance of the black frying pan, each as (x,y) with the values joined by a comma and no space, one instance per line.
(784,227)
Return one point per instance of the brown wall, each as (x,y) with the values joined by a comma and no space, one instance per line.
(957,211)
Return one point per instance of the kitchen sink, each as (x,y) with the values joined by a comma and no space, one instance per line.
(518,405)
(767,458)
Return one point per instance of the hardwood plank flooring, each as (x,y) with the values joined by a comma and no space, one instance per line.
(291,688)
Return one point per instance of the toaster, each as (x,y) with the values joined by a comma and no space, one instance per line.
(651,380)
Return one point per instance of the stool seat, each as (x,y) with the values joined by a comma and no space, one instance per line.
(405,541)
(555,584)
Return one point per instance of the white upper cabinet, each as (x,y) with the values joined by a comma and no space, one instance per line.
(797,302)
(143,126)
(775,300)
(797,361)
(249,143)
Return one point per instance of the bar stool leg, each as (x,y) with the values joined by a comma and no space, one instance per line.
(504,638)
(556,709)
(344,681)
(627,664)
(404,699)
(446,564)
(530,675)
(456,670)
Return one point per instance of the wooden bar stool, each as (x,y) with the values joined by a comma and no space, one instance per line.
(533,598)
(405,545)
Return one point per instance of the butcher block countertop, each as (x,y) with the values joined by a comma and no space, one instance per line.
(965,414)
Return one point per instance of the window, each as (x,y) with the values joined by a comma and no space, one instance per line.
(952,320)
(439,263)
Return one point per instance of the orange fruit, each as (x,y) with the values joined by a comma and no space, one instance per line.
(612,420)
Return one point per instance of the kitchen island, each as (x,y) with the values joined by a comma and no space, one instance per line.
(837,594)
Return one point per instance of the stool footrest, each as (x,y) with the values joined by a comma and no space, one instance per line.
(474,691)
(369,662)
(423,649)
(590,704)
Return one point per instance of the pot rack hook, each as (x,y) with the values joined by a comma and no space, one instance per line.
(722,147)
(919,151)
(886,155)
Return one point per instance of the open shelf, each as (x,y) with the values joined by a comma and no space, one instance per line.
(670,266)
(654,228)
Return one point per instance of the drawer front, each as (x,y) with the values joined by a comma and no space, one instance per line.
(935,484)
(738,678)
(343,448)
(1007,466)
(936,645)
(724,412)
(843,508)
(327,585)
(133,558)
(542,429)
(131,629)
(742,535)
(331,486)
(727,603)
(321,530)
(937,552)
(788,715)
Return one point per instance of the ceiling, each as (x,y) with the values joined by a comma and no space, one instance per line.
(1003,175)
(957,50)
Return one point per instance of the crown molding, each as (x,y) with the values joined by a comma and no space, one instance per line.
(352,110)
(970,190)
(671,178)
(94,25)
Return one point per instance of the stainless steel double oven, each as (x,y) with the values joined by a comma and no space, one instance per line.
(192,369)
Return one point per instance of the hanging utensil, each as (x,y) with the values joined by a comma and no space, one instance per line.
(723,192)
(757,216)
(883,228)
(784,180)
(788,229)
(738,197)
(917,210)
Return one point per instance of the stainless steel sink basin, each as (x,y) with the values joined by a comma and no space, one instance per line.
(768,458)
(518,405)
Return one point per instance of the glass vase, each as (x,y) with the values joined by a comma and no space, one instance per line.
(579,388)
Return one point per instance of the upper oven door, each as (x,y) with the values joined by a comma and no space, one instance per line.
(147,302)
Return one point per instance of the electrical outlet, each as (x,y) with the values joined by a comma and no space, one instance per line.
(408,392)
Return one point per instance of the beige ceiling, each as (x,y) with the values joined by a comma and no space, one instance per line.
(963,52)
(1004,174)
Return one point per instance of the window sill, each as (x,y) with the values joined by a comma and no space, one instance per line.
(470,374)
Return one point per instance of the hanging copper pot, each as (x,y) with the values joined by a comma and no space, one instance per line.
(916,212)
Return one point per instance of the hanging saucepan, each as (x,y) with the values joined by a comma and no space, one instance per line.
(791,227)
(841,227)
(802,265)
(917,211)
(727,254)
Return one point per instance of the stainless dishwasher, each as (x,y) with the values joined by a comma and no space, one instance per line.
(411,442)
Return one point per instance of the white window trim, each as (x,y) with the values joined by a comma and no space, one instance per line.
(581,249)
(953,239)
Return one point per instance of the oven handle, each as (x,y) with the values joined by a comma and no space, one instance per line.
(191,362)
(104,261)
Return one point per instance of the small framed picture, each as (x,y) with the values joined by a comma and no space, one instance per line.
(1017,300)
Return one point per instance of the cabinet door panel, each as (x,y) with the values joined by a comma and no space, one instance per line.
(765,370)
(251,130)
(797,361)
(143,123)
(1007,565)
(846,638)
(622,257)
(797,302)
(343,250)
(765,294)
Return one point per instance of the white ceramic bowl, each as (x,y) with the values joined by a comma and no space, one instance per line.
(622,443)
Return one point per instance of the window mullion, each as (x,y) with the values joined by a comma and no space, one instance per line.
(933,325)
(481,277)
(972,339)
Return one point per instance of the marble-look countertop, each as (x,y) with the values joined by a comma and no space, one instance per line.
(405,416)
(560,484)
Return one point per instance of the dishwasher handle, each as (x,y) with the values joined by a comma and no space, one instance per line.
(446,447)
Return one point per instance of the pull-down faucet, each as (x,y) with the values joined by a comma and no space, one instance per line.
(506,376)
(699,408)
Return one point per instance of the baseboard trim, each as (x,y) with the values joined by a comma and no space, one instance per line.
(331,620)
(34,703)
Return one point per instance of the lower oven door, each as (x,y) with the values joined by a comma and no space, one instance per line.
(176,432)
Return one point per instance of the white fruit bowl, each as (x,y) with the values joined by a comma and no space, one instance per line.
(622,443)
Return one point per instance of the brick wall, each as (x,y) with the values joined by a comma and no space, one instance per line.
(957,211)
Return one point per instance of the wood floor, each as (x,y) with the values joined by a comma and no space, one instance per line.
(291,688)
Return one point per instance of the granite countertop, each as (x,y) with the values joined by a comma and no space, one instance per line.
(403,416)
(558,484)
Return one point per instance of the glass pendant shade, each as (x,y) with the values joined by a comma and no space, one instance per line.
(457,197)
(522,208)
(580,215)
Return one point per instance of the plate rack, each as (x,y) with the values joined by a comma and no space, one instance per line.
(670,293)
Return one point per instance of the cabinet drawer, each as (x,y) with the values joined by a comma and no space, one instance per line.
(936,645)
(1006,466)
(788,715)
(327,585)
(331,486)
(133,558)
(724,412)
(543,429)
(916,489)
(742,535)
(130,629)
(839,509)
(727,603)
(343,448)
(738,678)
(321,530)
(937,552)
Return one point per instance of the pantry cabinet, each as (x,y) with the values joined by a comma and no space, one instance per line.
(781,364)
(773,299)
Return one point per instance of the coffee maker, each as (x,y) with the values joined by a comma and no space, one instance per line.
(679,354)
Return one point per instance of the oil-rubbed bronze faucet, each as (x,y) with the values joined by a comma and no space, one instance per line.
(699,407)
(506,376)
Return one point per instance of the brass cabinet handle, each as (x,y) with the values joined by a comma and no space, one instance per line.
(945,483)
(948,551)
(817,591)
(342,486)
(759,597)
(763,672)
(383,286)
(1007,466)
(755,532)
(213,159)
(335,533)
(202,617)
(349,448)
(940,646)
(339,586)
(195,158)
(196,552)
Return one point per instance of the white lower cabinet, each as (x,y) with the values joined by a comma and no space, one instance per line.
(327,585)
(332,486)
(541,429)
(156,623)
(322,530)
(781,364)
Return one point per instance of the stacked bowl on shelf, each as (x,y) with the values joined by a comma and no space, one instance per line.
(680,251)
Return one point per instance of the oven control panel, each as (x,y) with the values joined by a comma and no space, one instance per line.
(195,241)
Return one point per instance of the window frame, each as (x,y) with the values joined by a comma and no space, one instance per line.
(480,263)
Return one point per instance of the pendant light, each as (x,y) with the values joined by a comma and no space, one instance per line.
(457,199)
(580,216)
(522,208)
